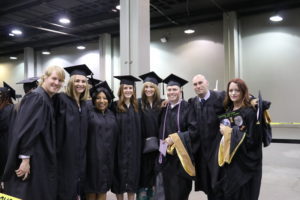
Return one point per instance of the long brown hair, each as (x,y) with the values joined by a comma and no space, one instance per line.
(244,93)
(156,97)
(121,106)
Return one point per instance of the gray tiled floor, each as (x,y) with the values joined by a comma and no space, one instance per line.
(281,169)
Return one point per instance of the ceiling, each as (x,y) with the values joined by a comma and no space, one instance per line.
(38,19)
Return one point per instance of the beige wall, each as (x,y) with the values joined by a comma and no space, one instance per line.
(188,55)
(270,61)
(12,71)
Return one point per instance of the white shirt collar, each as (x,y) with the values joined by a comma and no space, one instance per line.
(206,96)
(173,105)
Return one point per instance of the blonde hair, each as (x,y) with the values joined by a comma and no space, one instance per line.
(121,106)
(156,96)
(70,90)
(49,70)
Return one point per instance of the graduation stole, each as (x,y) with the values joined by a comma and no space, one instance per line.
(179,147)
(7,197)
(232,138)
(182,153)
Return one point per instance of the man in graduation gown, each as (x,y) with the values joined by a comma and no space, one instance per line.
(30,172)
(7,115)
(207,105)
(177,129)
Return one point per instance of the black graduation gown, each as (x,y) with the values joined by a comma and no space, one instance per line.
(128,158)
(241,179)
(208,126)
(33,135)
(176,182)
(71,145)
(150,128)
(7,115)
(101,144)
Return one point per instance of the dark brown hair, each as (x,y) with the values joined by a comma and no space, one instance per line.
(244,93)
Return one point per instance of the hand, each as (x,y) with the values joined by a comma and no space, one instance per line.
(222,128)
(169,141)
(24,169)
(164,103)
(254,102)
(1,186)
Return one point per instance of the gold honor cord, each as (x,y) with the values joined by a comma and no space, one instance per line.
(7,197)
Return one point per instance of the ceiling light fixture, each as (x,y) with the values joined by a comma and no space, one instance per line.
(189,31)
(13,58)
(80,47)
(16,32)
(46,52)
(11,34)
(64,20)
(276,18)
(118,7)
(164,40)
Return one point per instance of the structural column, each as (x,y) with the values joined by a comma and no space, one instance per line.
(231,38)
(134,37)
(29,64)
(105,51)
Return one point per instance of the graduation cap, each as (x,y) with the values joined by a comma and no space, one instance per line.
(29,83)
(11,91)
(151,77)
(92,81)
(264,127)
(174,80)
(102,86)
(79,70)
(127,79)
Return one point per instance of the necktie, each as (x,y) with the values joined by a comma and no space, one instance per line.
(202,101)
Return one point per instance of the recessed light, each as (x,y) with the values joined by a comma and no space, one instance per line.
(16,32)
(276,18)
(118,7)
(13,58)
(163,39)
(11,34)
(64,20)
(46,52)
(80,47)
(189,31)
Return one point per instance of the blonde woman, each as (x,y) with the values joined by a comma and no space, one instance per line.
(30,172)
(71,129)
(129,140)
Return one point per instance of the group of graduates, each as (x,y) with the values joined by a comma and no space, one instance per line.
(80,143)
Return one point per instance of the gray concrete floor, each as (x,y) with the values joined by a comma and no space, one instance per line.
(281,169)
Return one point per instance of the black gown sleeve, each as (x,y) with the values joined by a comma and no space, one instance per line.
(60,116)
(31,121)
